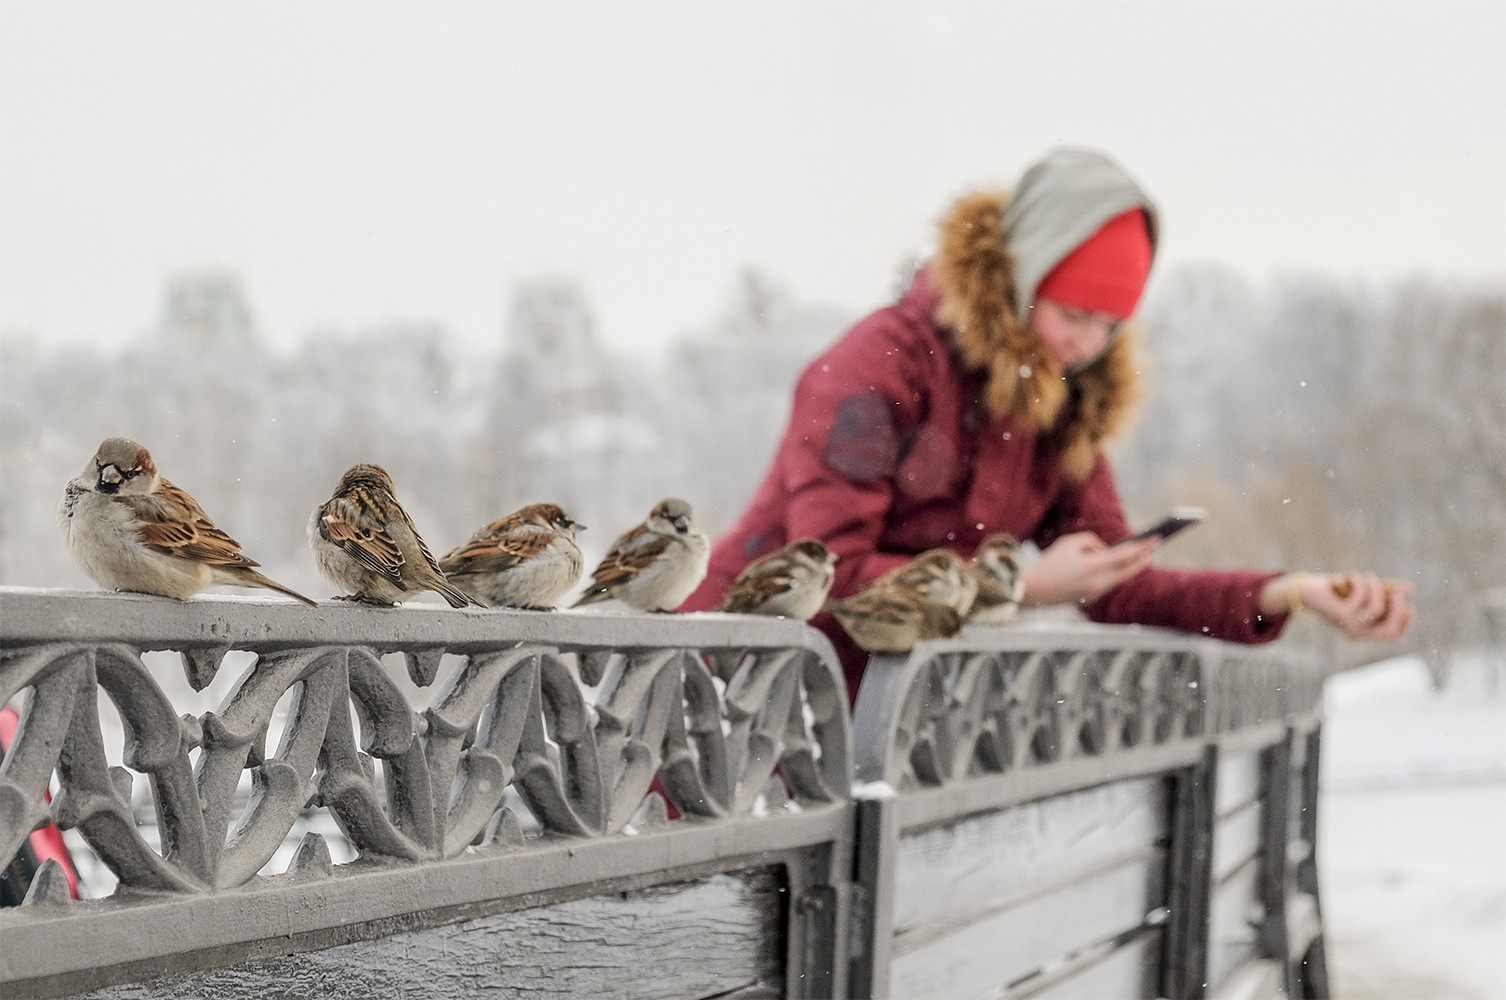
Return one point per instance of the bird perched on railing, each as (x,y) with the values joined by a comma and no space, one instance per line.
(893,619)
(1001,586)
(131,529)
(527,559)
(655,565)
(940,576)
(926,598)
(364,541)
(791,582)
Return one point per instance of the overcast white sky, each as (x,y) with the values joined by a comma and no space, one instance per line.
(364,162)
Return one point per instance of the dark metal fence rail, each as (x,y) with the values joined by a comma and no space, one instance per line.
(1091,812)
(501,777)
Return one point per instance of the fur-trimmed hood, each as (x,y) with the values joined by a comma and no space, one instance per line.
(975,277)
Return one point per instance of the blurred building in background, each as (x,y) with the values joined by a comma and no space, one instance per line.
(206,311)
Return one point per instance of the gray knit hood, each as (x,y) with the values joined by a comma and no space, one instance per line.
(1063,199)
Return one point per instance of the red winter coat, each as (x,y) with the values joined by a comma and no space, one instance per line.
(906,436)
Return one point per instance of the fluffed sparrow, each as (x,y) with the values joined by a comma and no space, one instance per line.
(654,566)
(364,541)
(1001,586)
(885,619)
(131,529)
(527,559)
(937,575)
(791,582)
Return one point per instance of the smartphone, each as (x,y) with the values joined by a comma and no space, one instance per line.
(1179,518)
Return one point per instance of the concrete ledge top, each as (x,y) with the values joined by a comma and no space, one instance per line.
(31,615)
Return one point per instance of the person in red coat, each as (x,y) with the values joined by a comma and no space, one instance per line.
(980,402)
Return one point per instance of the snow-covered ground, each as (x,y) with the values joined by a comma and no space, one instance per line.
(1413,832)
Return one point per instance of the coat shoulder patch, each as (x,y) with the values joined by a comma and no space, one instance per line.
(863,445)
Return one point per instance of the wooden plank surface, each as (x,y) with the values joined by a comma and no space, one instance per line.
(1256,980)
(1232,938)
(1236,839)
(1238,781)
(716,936)
(955,874)
(1127,971)
(984,956)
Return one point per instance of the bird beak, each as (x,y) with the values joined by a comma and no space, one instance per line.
(110,479)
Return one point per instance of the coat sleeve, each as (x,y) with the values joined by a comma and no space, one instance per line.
(1218,603)
(854,409)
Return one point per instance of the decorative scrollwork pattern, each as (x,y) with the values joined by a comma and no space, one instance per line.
(965,707)
(574,731)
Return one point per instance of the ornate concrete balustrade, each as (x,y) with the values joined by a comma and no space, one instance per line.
(1015,812)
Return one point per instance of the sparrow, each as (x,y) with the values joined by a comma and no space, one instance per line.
(889,619)
(1001,586)
(936,575)
(130,529)
(791,582)
(654,566)
(528,559)
(363,540)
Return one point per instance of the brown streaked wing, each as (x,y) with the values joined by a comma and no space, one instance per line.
(171,521)
(923,570)
(498,527)
(371,547)
(423,549)
(627,558)
(939,621)
(493,553)
(753,589)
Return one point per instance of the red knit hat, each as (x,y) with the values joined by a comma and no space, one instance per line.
(1107,271)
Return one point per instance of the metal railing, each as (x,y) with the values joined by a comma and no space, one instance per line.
(1094,811)
(517,788)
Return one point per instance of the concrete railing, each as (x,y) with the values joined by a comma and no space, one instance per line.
(1016,812)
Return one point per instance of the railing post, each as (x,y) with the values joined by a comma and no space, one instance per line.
(1309,965)
(873,897)
(1190,881)
(816,911)
(1275,839)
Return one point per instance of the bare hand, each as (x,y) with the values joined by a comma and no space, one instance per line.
(1362,605)
(1080,567)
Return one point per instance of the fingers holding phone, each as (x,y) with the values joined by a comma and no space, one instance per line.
(1080,567)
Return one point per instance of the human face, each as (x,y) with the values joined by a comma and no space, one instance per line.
(1071,336)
